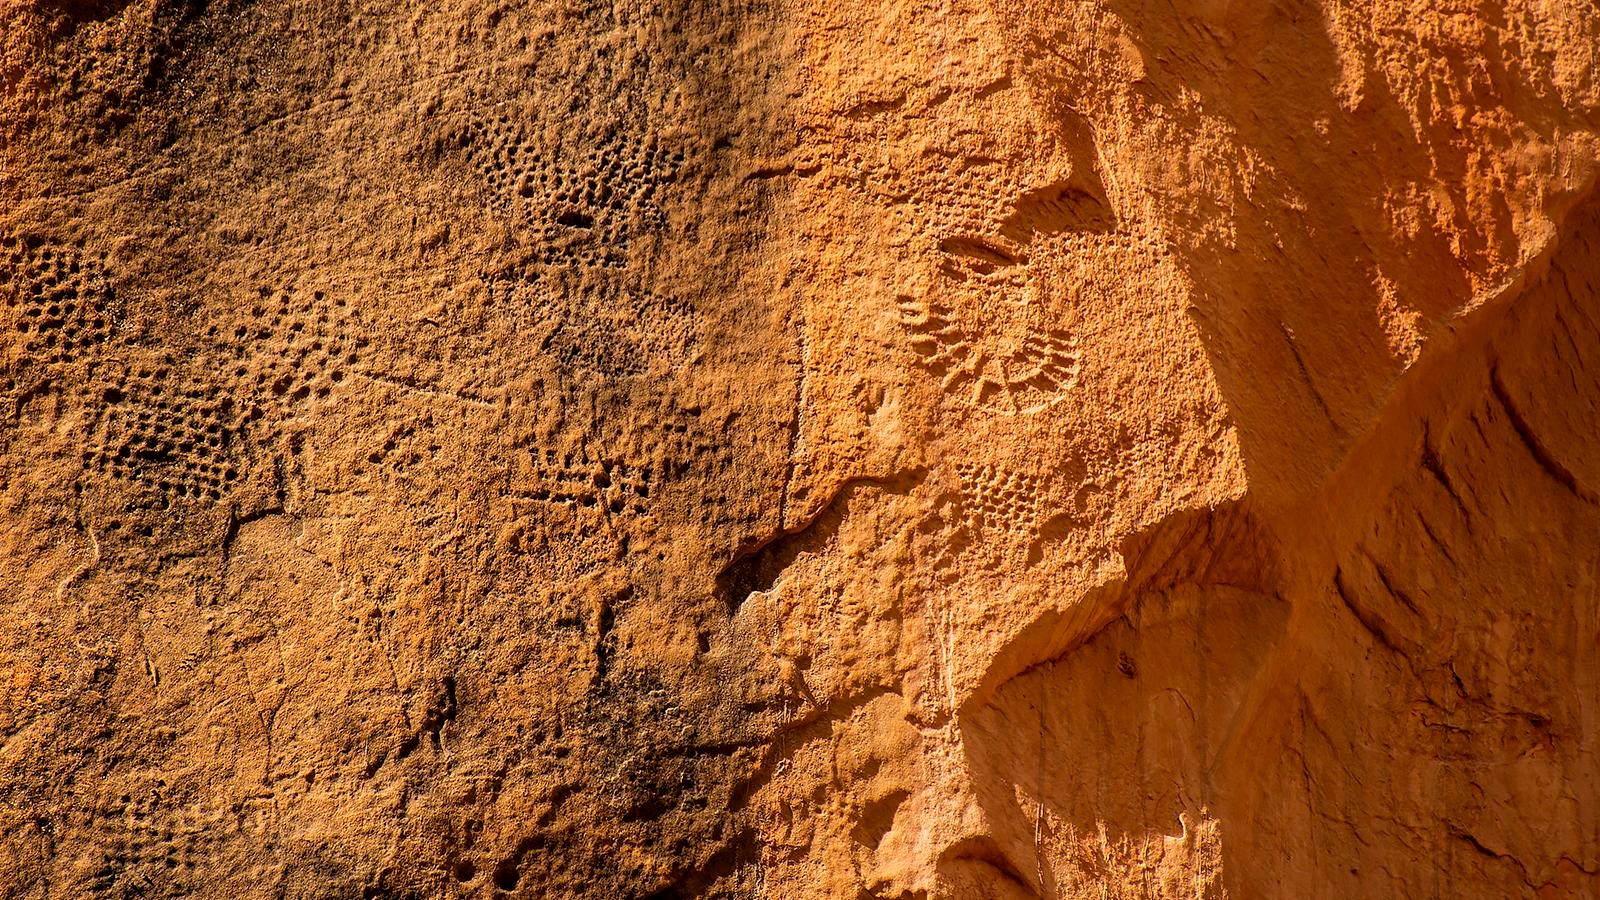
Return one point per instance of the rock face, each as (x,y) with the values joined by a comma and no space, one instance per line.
(793,449)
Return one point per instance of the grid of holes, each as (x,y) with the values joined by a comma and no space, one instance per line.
(58,302)
(999,500)
(179,430)
(676,440)
(174,435)
(151,426)
(682,442)
(293,347)
(655,448)
(147,847)
(603,484)
(962,198)
(582,210)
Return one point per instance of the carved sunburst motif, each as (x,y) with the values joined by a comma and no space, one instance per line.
(985,335)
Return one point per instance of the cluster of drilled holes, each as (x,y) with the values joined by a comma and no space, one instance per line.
(942,199)
(582,210)
(293,347)
(668,326)
(499,153)
(680,447)
(605,484)
(145,844)
(964,200)
(59,302)
(678,442)
(654,449)
(588,345)
(177,440)
(1000,500)
(671,440)
(181,436)
(974,196)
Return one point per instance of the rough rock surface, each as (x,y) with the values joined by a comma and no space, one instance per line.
(791,449)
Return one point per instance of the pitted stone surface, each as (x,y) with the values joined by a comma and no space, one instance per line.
(789,449)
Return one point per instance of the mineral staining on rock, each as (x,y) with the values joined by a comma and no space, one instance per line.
(788,449)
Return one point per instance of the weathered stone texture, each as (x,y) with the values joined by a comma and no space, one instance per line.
(791,449)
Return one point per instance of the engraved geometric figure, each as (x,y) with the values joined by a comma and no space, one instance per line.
(292,346)
(581,210)
(1001,501)
(59,303)
(606,486)
(1009,377)
(148,848)
(173,435)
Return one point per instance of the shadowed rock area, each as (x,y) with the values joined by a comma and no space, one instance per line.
(786,449)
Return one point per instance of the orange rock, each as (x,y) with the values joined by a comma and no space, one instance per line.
(791,449)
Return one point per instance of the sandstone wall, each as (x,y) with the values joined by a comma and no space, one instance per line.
(790,449)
